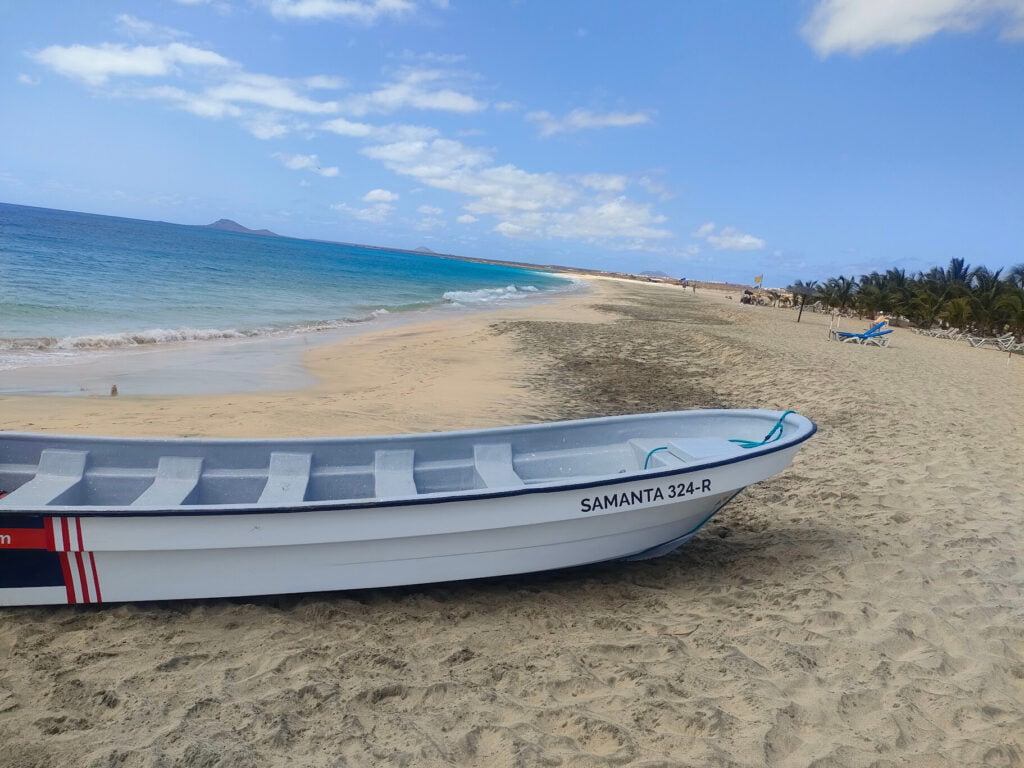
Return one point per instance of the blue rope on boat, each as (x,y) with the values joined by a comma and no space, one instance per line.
(652,452)
(771,437)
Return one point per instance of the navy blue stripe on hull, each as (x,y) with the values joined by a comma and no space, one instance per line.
(30,568)
(22,521)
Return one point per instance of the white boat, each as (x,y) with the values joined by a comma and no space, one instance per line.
(101,519)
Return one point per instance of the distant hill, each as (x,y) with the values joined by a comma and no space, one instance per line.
(233,226)
(654,273)
(424,249)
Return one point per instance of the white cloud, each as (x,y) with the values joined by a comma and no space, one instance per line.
(28,79)
(95,65)
(604,182)
(344,127)
(436,161)
(377,213)
(527,205)
(583,119)
(731,239)
(432,57)
(655,188)
(364,11)
(430,210)
(326,82)
(466,219)
(508,229)
(728,238)
(197,104)
(379,196)
(265,126)
(453,166)
(617,219)
(416,89)
(704,229)
(855,26)
(139,29)
(429,223)
(309,163)
(380,133)
(269,91)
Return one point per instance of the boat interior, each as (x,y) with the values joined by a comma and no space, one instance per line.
(37,471)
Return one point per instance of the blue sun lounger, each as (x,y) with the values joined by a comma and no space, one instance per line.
(873,335)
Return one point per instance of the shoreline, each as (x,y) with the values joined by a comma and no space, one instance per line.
(229,366)
(422,363)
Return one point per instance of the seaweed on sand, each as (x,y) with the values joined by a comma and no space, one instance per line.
(652,357)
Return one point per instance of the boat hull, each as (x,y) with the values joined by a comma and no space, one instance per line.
(69,559)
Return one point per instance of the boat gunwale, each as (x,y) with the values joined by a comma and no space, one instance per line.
(220,510)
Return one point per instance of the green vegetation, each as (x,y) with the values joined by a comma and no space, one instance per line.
(977,300)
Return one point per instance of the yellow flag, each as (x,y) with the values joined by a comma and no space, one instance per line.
(758,279)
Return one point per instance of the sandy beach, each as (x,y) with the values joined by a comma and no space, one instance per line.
(864,608)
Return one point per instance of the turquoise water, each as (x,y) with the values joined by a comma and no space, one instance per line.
(74,282)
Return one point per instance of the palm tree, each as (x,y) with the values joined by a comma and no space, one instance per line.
(957,312)
(873,296)
(986,291)
(805,290)
(1013,305)
(977,298)
(1016,276)
(838,291)
(899,289)
(926,302)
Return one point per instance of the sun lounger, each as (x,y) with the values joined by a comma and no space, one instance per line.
(1004,342)
(873,335)
(880,339)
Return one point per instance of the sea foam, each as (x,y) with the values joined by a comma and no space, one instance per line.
(488,295)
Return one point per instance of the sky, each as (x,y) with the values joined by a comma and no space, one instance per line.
(716,140)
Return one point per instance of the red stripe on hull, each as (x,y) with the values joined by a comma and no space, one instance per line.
(95,577)
(80,563)
(69,584)
(23,538)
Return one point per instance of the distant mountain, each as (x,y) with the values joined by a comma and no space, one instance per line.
(233,226)
(654,273)
(424,249)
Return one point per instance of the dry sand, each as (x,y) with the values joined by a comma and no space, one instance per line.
(864,608)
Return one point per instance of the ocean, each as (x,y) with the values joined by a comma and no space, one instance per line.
(75,284)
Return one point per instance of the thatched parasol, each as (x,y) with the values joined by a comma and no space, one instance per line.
(804,292)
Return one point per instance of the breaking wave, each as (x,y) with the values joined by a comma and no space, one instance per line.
(18,352)
(487,295)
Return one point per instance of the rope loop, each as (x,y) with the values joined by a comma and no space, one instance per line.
(775,433)
(652,452)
